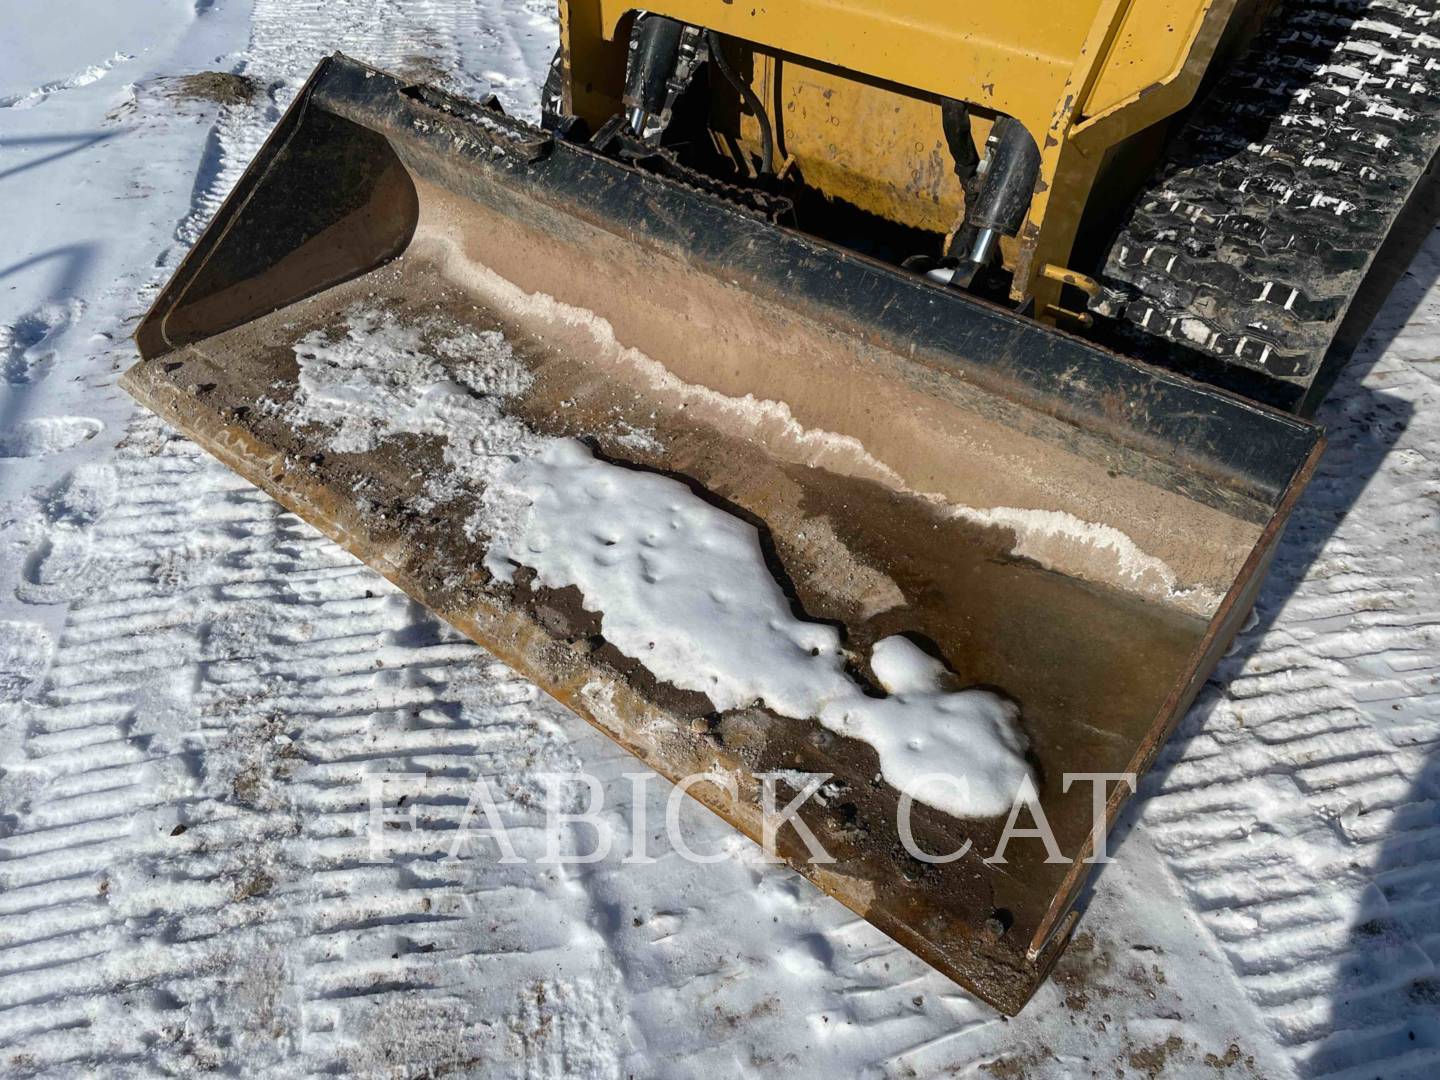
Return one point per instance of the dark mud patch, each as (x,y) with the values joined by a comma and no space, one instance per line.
(422,68)
(1151,1060)
(1017,1067)
(219,87)
(1232,1058)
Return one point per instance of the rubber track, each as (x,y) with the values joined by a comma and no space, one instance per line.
(1281,186)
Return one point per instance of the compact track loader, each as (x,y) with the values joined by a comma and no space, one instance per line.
(989,327)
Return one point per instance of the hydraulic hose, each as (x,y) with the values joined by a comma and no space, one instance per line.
(751,100)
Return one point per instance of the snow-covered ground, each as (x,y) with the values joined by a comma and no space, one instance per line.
(194,688)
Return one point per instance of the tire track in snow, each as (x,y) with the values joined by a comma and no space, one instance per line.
(472,48)
(1300,807)
(38,95)
(188,881)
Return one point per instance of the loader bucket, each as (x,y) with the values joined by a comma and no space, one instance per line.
(410,296)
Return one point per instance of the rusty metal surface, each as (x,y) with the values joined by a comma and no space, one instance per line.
(956,398)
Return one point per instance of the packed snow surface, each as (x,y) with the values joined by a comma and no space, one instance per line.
(683,587)
(199,694)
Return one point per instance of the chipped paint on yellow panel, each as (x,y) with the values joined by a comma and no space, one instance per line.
(1152,44)
(875,148)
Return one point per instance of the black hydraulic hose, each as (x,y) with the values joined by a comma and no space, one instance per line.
(752,102)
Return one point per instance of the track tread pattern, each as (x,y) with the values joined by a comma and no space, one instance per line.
(1281,187)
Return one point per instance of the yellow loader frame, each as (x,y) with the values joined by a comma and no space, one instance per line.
(855,86)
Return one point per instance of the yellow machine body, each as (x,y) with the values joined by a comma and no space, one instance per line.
(855,91)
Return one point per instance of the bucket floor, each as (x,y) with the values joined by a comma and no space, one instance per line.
(1090,666)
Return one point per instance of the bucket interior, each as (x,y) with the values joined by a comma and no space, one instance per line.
(1080,565)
